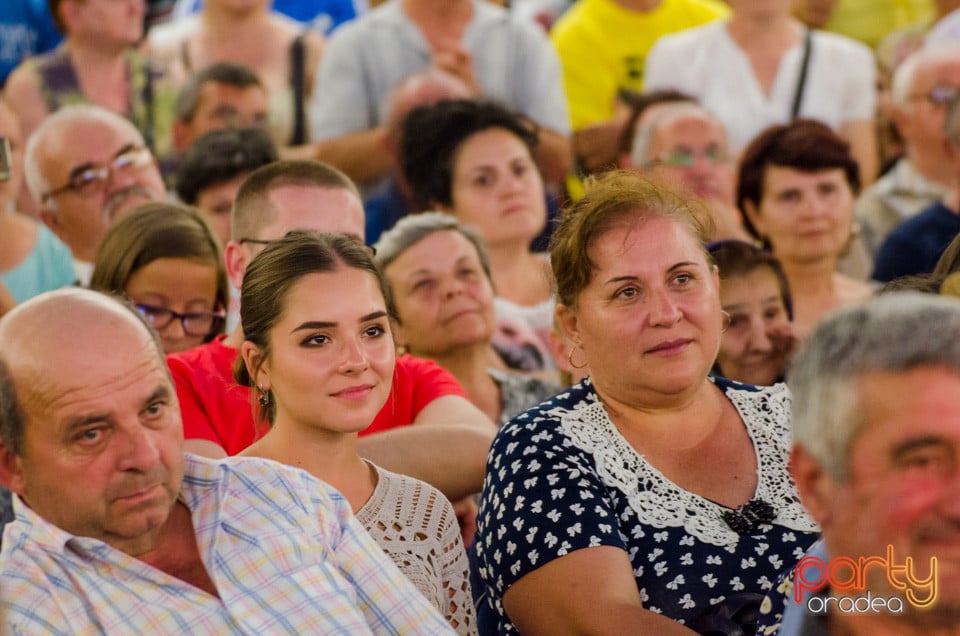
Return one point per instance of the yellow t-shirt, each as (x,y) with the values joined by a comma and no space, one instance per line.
(603,48)
(870,20)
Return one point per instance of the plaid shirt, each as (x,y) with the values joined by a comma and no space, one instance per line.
(283,549)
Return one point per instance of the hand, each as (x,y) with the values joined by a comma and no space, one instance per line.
(450,56)
(786,338)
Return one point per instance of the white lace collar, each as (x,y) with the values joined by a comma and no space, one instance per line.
(660,503)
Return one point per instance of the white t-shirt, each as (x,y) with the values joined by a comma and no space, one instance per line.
(707,63)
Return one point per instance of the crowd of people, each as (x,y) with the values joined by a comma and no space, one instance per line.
(479,317)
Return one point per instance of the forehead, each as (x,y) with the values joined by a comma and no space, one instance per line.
(87,142)
(357,291)
(689,129)
(653,243)
(438,250)
(300,207)
(899,406)
(490,144)
(944,69)
(780,177)
(213,94)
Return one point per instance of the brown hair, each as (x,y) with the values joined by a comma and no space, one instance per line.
(153,231)
(252,210)
(735,259)
(805,145)
(610,200)
(272,274)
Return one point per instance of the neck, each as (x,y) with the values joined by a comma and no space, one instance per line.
(933,165)
(235,338)
(92,56)
(220,23)
(327,455)
(656,419)
(511,266)
(813,277)
(758,29)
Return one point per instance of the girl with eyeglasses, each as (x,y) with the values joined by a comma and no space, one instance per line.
(167,261)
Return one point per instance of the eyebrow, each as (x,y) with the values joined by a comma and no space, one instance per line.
(911,445)
(619,279)
(77,422)
(320,324)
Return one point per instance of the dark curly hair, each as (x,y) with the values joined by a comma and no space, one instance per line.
(220,155)
(431,135)
(806,145)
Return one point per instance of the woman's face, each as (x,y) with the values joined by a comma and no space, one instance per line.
(497,188)
(753,348)
(649,320)
(180,285)
(332,355)
(118,21)
(806,216)
(444,298)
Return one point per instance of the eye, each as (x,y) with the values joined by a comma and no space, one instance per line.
(738,321)
(315,340)
(154,408)
(927,461)
(374,331)
(789,196)
(626,293)
(827,189)
(772,313)
(466,272)
(483,181)
(520,169)
(424,285)
(683,278)
(89,436)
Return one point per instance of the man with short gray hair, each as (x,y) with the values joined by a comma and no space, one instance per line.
(876,459)
(85,166)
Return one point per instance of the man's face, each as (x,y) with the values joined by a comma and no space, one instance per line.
(691,151)
(216,202)
(223,106)
(97,173)
(102,452)
(922,121)
(298,207)
(903,482)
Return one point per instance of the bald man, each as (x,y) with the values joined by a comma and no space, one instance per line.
(117,531)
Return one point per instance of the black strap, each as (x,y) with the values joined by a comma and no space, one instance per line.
(802,78)
(297,63)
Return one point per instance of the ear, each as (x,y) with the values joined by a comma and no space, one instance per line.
(568,323)
(625,161)
(11,471)
(753,214)
(68,14)
(901,120)
(256,366)
(813,484)
(235,259)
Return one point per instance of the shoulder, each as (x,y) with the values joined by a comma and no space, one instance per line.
(766,407)
(697,37)
(702,9)
(166,38)
(538,424)
(841,45)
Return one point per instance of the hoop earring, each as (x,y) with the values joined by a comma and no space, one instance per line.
(570,359)
(264,397)
(724,321)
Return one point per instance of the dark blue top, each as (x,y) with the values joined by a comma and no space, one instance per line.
(915,246)
(560,478)
(26,28)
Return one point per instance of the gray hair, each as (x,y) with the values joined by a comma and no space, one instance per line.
(904,76)
(413,228)
(663,114)
(51,130)
(894,333)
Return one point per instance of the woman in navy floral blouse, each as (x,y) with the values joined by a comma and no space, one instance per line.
(644,496)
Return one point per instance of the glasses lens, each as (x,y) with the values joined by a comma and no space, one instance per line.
(941,94)
(158,317)
(88,181)
(133,158)
(201,323)
(679,158)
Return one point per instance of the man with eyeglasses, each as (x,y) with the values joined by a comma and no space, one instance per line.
(686,145)
(922,85)
(85,166)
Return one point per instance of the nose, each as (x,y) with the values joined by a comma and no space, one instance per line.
(759,340)
(354,357)
(137,447)
(173,331)
(664,310)
(452,286)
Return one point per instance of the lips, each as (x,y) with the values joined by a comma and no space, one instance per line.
(670,347)
(352,393)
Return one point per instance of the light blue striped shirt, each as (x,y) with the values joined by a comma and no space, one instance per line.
(283,549)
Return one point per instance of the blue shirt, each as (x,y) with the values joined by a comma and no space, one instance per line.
(26,28)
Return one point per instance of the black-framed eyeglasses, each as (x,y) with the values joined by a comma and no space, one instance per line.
(89,178)
(195,323)
(938,95)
